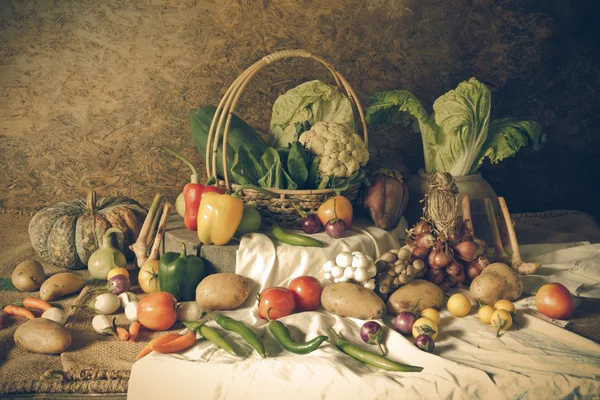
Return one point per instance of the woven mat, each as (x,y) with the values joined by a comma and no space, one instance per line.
(101,364)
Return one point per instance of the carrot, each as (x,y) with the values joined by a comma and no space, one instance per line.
(161,339)
(134,330)
(122,333)
(19,311)
(38,304)
(181,343)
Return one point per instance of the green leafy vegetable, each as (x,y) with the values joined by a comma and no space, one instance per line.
(299,108)
(298,163)
(458,135)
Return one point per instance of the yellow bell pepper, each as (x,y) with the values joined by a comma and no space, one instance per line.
(219,216)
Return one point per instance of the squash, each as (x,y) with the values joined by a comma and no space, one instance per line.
(66,234)
(240,134)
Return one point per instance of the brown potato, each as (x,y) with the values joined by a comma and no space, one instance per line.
(222,291)
(61,285)
(43,336)
(28,276)
(352,300)
(496,282)
(428,294)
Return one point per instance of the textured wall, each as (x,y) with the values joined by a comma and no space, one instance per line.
(89,90)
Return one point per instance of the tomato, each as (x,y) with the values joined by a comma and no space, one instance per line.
(432,314)
(485,314)
(157,311)
(307,293)
(459,305)
(251,221)
(117,271)
(148,277)
(555,301)
(343,210)
(279,300)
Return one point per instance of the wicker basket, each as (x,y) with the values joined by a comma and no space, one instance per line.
(275,205)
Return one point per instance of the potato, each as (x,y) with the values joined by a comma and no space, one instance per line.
(42,335)
(28,276)
(222,291)
(352,300)
(406,296)
(60,285)
(496,282)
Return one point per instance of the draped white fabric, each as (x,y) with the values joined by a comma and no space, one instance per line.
(538,361)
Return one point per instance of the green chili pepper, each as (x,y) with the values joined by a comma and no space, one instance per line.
(369,358)
(295,239)
(284,337)
(246,333)
(211,335)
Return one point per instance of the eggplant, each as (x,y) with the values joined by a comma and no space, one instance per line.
(386,199)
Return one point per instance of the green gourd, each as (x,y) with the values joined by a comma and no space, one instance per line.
(106,257)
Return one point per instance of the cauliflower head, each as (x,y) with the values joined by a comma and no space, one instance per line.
(340,151)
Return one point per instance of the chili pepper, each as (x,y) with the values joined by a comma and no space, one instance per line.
(369,358)
(180,274)
(211,335)
(246,333)
(219,216)
(295,239)
(284,337)
(193,193)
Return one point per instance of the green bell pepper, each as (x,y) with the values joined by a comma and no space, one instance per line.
(180,274)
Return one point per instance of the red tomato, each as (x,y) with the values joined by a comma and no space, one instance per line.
(279,300)
(157,311)
(555,301)
(307,293)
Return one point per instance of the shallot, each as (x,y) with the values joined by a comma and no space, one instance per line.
(420,253)
(438,258)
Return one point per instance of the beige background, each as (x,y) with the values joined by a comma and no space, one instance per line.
(89,90)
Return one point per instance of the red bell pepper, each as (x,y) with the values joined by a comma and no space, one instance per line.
(193,193)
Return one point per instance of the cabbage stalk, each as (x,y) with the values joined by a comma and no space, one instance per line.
(459,135)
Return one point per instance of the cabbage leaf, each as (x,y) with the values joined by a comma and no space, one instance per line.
(458,136)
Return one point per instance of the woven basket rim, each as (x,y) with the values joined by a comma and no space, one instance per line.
(298,192)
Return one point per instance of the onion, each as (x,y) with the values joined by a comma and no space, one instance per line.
(425,240)
(420,253)
(436,275)
(467,250)
(454,269)
(481,263)
(438,258)
(421,227)
(472,271)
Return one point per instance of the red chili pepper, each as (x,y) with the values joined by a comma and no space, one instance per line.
(193,193)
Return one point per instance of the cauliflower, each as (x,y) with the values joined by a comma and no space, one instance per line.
(340,151)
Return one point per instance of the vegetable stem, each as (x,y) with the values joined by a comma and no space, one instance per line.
(194,176)
(162,227)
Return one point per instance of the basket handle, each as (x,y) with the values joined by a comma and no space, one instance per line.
(231,97)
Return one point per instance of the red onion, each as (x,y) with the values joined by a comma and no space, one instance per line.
(421,227)
(425,240)
(472,271)
(438,258)
(467,250)
(454,269)
(420,253)
(436,276)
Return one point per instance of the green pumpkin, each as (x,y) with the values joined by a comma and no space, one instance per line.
(66,234)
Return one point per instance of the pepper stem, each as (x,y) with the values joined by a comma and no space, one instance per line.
(183,253)
(194,176)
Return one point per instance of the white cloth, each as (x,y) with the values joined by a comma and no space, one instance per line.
(538,361)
